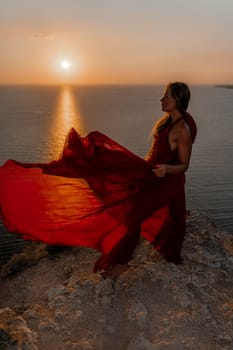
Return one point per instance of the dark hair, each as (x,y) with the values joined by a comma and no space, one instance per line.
(181,93)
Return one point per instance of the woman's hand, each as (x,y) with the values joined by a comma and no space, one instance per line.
(160,170)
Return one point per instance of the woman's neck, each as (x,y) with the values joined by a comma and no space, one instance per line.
(175,115)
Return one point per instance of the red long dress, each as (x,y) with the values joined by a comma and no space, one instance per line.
(170,238)
(98,194)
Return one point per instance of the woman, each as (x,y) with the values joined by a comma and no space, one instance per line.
(100,195)
(169,156)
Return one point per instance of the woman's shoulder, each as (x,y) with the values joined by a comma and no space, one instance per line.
(181,130)
(185,127)
(178,125)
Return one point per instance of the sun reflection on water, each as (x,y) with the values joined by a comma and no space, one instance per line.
(66,116)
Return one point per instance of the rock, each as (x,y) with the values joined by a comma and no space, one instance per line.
(141,343)
(228,244)
(60,304)
(16,327)
(6,342)
(138,313)
(56,291)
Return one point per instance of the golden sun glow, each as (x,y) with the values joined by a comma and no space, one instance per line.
(66,116)
(67,69)
(65,64)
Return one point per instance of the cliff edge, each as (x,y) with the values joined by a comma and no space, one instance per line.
(53,300)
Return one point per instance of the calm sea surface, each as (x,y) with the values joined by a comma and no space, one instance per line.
(35,120)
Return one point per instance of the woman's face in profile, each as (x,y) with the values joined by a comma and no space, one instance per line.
(168,102)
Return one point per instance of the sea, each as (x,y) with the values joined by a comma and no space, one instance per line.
(35,120)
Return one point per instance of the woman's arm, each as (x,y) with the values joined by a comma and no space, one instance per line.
(180,140)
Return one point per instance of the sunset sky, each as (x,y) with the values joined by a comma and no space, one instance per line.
(116,41)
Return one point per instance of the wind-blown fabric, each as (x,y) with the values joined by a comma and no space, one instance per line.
(98,195)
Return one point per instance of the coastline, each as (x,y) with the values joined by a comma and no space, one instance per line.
(55,301)
(230,86)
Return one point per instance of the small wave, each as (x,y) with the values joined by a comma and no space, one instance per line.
(9,244)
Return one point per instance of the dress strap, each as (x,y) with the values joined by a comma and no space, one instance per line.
(176,121)
(191,123)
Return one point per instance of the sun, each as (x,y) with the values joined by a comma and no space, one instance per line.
(66,68)
(65,64)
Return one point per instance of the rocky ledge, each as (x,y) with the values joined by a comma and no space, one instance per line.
(53,300)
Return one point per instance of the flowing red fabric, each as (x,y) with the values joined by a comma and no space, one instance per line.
(98,195)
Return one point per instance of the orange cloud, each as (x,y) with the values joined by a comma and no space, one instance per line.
(44,36)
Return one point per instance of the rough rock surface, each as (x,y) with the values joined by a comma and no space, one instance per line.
(60,304)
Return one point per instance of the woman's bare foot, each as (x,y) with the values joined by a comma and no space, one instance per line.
(115,271)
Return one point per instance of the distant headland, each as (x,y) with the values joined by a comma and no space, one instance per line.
(230,86)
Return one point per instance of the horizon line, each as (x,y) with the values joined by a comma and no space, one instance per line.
(110,84)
